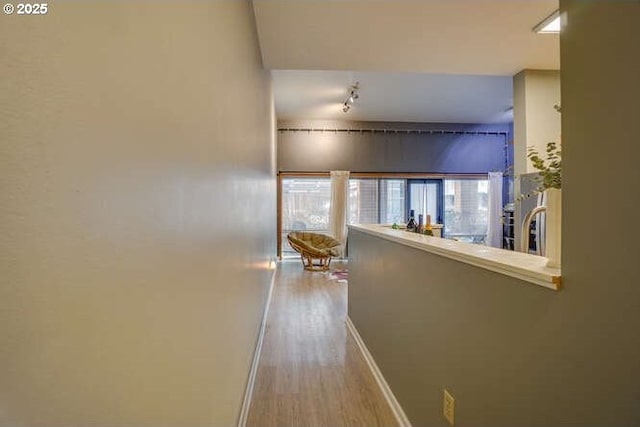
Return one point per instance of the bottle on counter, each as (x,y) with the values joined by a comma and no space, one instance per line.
(420,227)
(428,230)
(411,225)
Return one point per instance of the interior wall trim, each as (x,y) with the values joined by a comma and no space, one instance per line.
(248,393)
(398,412)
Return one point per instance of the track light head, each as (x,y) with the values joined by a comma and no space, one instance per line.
(353,95)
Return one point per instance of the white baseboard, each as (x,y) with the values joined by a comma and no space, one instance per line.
(397,410)
(248,393)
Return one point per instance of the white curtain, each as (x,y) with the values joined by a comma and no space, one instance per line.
(494,228)
(338,207)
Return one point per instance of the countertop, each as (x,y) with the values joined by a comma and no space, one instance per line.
(527,267)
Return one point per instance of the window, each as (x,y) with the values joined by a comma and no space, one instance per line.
(363,201)
(461,204)
(377,201)
(466,209)
(305,206)
(392,201)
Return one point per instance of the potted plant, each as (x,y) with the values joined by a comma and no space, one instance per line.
(550,168)
(550,181)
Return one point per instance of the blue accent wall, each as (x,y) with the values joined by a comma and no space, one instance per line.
(310,146)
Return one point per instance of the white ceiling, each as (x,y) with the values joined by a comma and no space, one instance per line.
(379,41)
(409,97)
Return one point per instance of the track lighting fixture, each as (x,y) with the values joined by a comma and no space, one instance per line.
(351,98)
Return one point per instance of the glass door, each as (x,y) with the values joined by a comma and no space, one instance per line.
(425,197)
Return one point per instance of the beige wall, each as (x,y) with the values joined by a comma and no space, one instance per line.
(137,213)
(601,135)
(512,353)
(535,121)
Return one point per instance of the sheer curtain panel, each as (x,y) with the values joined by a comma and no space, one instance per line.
(494,228)
(338,207)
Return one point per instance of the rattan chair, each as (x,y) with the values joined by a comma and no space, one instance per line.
(314,247)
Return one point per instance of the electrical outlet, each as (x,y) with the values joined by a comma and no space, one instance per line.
(448,407)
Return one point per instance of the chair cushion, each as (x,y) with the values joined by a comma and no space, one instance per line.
(316,244)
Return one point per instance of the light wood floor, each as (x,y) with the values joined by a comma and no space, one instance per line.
(311,372)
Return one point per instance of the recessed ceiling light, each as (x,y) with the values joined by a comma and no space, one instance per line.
(549,25)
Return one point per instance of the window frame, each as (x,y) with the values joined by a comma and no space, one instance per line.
(439,195)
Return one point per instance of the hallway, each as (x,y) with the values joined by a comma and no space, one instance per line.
(311,372)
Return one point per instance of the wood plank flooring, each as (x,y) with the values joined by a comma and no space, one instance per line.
(311,372)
